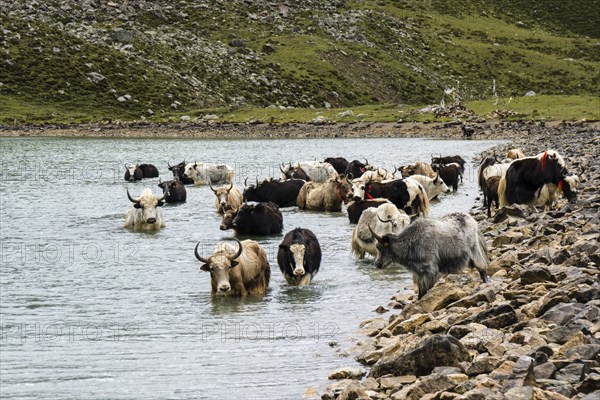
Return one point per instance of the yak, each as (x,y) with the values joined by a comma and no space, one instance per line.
(356,207)
(450,174)
(299,256)
(428,247)
(174,190)
(356,168)
(327,196)
(144,214)
(237,273)
(525,179)
(433,186)
(178,171)
(283,193)
(384,219)
(227,198)
(338,163)
(138,172)
(205,173)
(258,219)
(293,172)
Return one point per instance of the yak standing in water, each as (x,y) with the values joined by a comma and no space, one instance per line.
(144,214)
(327,196)
(138,172)
(299,257)
(174,190)
(227,198)
(428,247)
(237,273)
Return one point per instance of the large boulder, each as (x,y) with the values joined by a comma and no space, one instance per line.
(435,351)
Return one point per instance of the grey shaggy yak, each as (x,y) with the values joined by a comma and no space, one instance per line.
(428,247)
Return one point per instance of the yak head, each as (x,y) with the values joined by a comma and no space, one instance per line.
(133,172)
(439,185)
(553,166)
(177,169)
(295,252)
(222,194)
(343,187)
(147,204)
(219,265)
(227,220)
(248,215)
(385,255)
(568,186)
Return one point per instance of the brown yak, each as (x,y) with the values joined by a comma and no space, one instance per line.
(237,272)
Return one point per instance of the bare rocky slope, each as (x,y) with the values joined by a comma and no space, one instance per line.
(99,60)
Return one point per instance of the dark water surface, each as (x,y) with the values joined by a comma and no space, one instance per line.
(90,310)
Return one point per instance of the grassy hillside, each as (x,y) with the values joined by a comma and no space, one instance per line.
(76,61)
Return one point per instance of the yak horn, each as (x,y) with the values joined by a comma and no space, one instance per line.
(384,221)
(168,165)
(198,256)
(230,187)
(375,236)
(159,180)
(378,173)
(395,170)
(281,169)
(211,188)
(349,176)
(246,182)
(239,252)
(165,193)
(136,201)
(366,161)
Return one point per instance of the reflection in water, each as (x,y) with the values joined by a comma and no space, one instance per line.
(101,309)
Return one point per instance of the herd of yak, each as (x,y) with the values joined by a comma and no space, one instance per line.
(391,213)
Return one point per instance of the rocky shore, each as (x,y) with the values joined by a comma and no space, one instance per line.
(531,332)
(215,130)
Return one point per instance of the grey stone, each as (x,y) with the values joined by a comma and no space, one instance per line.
(437,350)
(534,275)
(591,384)
(520,393)
(563,312)
(572,373)
(483,365)
(347,373)
(544,371)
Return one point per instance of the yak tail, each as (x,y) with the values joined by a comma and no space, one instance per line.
(481,256)
(486,163)
(424,202)
(502,201)
(302,195)
(356,250)
(229,175)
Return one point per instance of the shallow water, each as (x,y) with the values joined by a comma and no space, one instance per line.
(90,310)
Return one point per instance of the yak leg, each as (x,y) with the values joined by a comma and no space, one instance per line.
(425,278)
(483,275)
(305,281)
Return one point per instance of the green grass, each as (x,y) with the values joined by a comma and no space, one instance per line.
(529,108)
(545,107)
(410,51)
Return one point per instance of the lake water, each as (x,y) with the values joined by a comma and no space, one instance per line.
(91,310)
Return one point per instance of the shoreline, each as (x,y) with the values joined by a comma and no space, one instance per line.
(450,130)
(531,332)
